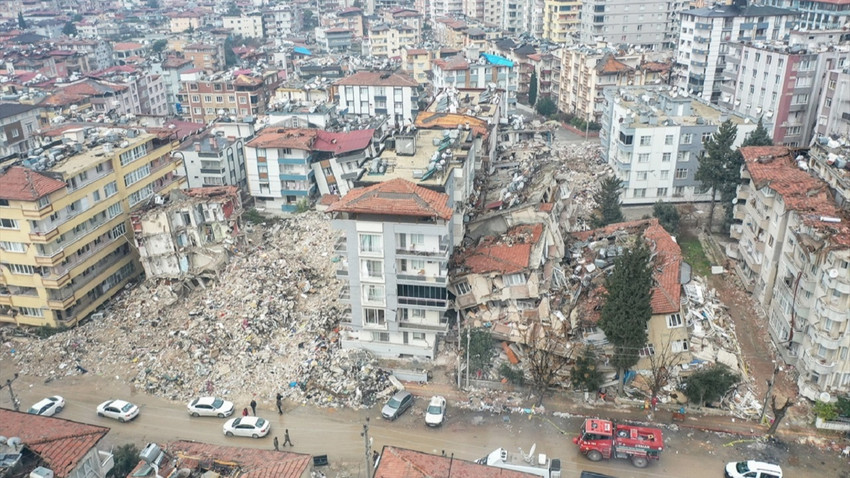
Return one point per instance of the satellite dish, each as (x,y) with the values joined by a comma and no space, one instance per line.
(734,200)
(833,273)
(825,397)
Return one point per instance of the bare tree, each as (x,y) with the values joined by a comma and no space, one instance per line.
(547,356)
(778,414)
(660,365)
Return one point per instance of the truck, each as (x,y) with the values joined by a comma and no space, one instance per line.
(604,439)
(543,466)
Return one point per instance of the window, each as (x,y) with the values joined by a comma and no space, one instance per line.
(381,336)
(4,203)
(110,189)
(13,246)
(687,138)
(43,202)
(371,269)
(31,312)
(418,335)
(665,174)
(683,156)
(417,240)
(374,317)
(95,195)
(681,173)
(371,244)
(514,279)
(132,155)
(463,288)
(641,175)
(643,157)
(374,293)
(140,195)
(645,140)
(22,269)
(640,193)
(680,345)
(284,151)
(674,320)
(8,223)
(137,175)
(113,210)
(647,351)
(668,140)
(662,192)
(706,136)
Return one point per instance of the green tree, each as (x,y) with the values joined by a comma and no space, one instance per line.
(607,203)
(546,107)
(230,58)
(233,9)
(668,216)
(627,309)
(585,374)
(126,458)
(843,405)
(480,350)
(825,410)
(719,167)
(69,29)
(710,384)
(22,24)
(532,89)
(159,45)
(152,4)
(77,18)
(308,20)
(759,136)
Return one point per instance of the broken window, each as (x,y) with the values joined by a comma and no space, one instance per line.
(463,288)
(647,351)
(514,279)
(680,345)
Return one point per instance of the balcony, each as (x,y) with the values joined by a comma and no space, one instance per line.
(735,231)
(825,338)
(56,280)
(407,324)
(342,271)
(60,299)
(839,283)
(831,309)
(427,302)
(341,246)
(345,295)
(818,365)
(44,237)
(38,214)
(421,278)
(50,261)
(413,251)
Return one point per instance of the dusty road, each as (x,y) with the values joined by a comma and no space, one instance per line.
(468,435)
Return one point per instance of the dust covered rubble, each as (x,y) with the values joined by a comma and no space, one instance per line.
(268,324)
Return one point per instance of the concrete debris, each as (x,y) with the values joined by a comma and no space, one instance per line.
(267,324)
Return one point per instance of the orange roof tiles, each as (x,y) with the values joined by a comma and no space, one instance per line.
(284,138)
(505,254)
(431,119)
(610,229)
(453,63)
(24,184)
(378,78)
(252,462)
(400,462)
(397,197)
(610,65)
(124,46)
(668,262)
(61,443)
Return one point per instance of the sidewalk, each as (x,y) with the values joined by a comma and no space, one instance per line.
(696,420)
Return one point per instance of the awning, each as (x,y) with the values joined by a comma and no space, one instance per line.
(301,50)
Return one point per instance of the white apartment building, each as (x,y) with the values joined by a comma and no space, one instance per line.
(445,8)
(817,14)
(653,137)
(461,73)
(250,26)
(834,104)
(705,36)
(779,84)
(373,93)
(214,159)
(646,24)
(794,255)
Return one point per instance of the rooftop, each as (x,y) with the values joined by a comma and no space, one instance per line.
(379,78)
(664,106)
(414,167)
(400,462)
(23,184)
(397,197)
(506,254)
(668,262)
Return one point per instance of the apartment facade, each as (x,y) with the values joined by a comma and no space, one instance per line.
(648,24)
(706,33)
(373,93)
(66,243)
(249,26)
(204,98)
(817,14)
(18,123)
(834,104)
(396,243)
(560,19)
(779,84)
(653,137)
(794,255)
(459,72)
(417,62)
(214,159)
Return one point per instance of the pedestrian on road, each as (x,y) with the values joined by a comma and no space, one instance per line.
(276,447)
(278,400)
(654,403)
(245,412)
(286,438)
(254,407)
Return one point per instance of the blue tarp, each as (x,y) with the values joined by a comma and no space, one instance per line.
(301,50)
(497,60)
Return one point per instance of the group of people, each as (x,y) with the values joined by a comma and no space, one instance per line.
(279,403)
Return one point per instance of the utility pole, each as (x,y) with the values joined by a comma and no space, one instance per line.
(368,444)
(15,402)
(769,391)
(468,338)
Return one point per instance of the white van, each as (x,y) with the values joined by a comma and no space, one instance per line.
(752,469)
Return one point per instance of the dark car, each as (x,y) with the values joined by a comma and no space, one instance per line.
(399,402)
(593,474)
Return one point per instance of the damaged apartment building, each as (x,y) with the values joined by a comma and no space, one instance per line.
(189,234)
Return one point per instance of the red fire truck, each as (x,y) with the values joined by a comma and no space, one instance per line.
(603,439)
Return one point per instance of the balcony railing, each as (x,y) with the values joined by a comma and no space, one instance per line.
(422,278)
(406,324)
(424,302)
(829,340)
(818,365)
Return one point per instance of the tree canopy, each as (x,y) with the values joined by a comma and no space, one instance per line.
(627,306)
(532,89)
(607,203)
(759,136)
(480,348)
(710,384)
(69,29)
(126,458)
(719,166)
(585,374)
(159,45)
(668,216)
(546,107)
(22,23)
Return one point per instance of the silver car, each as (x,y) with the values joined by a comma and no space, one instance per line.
(399,402)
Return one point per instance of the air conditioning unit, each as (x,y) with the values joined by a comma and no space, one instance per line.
(41,472)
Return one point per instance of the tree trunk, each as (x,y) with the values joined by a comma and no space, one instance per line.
(778,414)
(711,209)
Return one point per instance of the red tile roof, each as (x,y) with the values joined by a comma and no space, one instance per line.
(431,119)
(606,231)
(294,138)
(60,443)
(339,143)
(24,184)
(378,78)
(314,140)
(668,262)
(610,65)
(400,462)
(453,63)
(252,463)
(505,254)
(124,46)
(397,197)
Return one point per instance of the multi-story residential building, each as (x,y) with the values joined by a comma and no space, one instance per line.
(585,72)
(389,40)
(128,53)
(417,62)
(445,9)
(214,159)
(66,245)
(249,26)
(653,137)
(373,93)
(647,24)
(18,123)
(350,18)
(189,234)
(188,20)
(547,66)
(98,51)
(282,20)
(450,33)
(147,90)
(106,97)
(335,40)
(794,255)
(473,9)
(205,98)
(704,36)
(459,72)
(405,16)
(205,56)
(817,14)
(560,19)
(833,115)
(169,71)
(779,84)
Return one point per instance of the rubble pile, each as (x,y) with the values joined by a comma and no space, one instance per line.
(267,325)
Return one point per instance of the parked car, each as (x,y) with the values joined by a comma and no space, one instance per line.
(210,407)
(436,411)
(118,409)
(753,469)
(398,403)
(250,426)
(48,407)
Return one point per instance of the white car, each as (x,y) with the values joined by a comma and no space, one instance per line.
(210,407)
(255,427)
(118,409)
(752,469)
(48,407)
(436,411)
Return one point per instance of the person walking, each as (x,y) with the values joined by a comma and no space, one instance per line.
(278,401)
(254,407)
(276,447)
(286,438)
(654,403)
(245,412)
